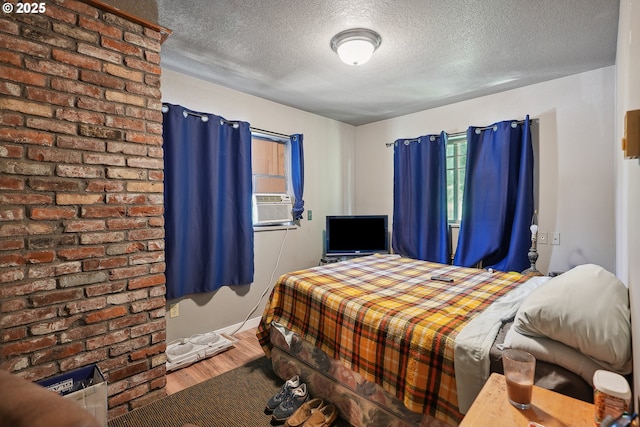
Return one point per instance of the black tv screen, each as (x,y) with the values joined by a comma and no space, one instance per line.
(357,235)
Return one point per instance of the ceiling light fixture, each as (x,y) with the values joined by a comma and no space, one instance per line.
(355,46)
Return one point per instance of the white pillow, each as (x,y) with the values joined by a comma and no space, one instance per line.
(586,308)
(548,350)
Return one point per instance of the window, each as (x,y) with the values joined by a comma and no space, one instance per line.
(272,189)
(456,164)
(269,164)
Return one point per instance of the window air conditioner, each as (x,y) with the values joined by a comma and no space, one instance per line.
(271,208)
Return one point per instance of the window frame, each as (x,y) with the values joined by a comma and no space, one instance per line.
(286,142)
(455,141)
(287,160)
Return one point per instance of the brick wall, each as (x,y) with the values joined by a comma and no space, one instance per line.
(81,199)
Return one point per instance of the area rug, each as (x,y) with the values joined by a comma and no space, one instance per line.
(234,399)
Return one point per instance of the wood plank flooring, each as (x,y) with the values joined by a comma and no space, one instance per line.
(245,350)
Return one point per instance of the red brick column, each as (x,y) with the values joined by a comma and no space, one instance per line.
(81,199)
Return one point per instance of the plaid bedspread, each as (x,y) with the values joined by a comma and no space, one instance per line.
(384,317)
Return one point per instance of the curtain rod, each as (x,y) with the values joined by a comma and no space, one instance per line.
(205,117)
(457,134)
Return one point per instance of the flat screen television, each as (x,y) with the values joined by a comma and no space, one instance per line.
(356,235)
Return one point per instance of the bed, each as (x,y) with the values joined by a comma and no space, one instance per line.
(391,346)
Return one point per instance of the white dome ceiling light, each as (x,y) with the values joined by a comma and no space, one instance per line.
(355,46)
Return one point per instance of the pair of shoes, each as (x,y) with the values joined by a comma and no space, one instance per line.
(322,417)
(303,413)
(291,403)
(282,395)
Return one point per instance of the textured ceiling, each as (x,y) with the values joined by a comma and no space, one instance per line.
(433,52)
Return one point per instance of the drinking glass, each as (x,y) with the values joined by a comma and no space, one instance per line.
(519,368)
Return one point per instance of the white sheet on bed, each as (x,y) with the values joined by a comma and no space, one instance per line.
(473,343)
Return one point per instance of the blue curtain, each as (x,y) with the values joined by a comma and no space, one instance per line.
(497,204)
(209,231)
(420,198)
(297,175)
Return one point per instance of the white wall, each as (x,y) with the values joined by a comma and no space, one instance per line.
(628,171)
(328,150)
(575,160)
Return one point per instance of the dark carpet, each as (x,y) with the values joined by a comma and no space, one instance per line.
(234,399)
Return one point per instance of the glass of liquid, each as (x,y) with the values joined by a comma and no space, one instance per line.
(519,369)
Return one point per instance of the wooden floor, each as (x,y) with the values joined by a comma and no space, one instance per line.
(245,350)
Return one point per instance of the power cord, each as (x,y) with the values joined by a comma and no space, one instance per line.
(268,288)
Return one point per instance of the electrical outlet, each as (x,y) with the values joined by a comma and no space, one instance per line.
(555,238)
(309,215)
(543,238)
(174,310)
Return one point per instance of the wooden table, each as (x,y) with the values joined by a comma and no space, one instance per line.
(548,408)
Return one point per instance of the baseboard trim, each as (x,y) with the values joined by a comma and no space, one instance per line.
(233,329)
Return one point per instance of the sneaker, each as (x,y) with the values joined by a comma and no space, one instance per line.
(288,406)
(284,392)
